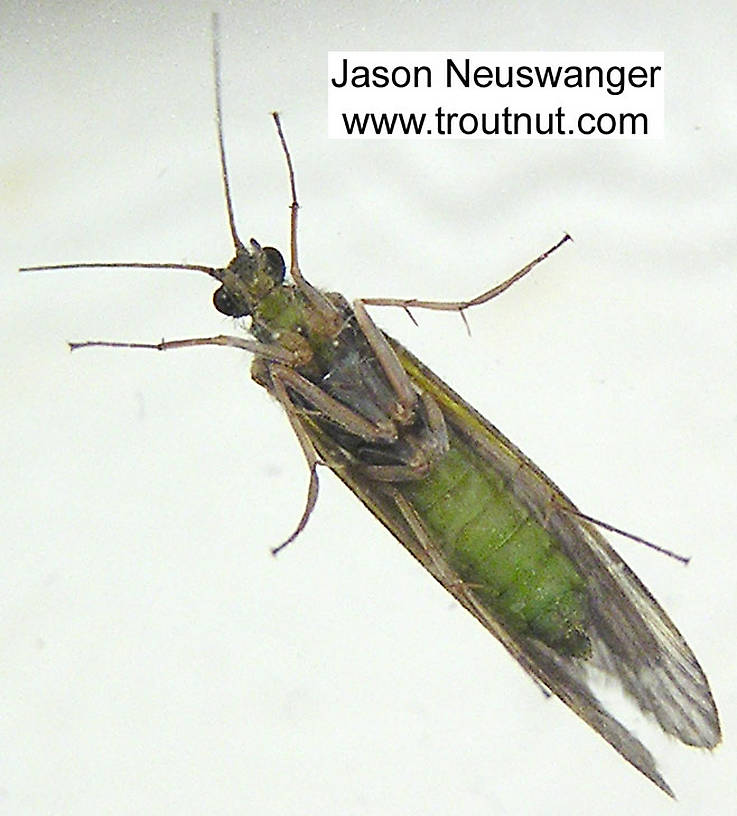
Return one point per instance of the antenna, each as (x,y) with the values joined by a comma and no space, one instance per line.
(239,247)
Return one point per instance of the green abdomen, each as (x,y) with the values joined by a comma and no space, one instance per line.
(514,566)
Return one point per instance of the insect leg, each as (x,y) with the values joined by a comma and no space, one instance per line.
(323,405)
(278,389)
(684,559)
(461,305)
(280,379)
(435,563)
(331,409)
(266,350)
(426,455)
(397,376)
(424,551)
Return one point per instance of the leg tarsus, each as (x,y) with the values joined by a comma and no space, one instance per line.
(462,305)
(312,493)
(279,390)
(684,559)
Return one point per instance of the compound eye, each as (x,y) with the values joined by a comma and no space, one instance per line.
(274,264)
(226,304)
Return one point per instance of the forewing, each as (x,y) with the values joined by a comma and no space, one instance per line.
(634,639)
(563,677)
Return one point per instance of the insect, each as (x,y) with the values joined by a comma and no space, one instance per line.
(483,520)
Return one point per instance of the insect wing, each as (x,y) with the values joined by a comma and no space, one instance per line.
(632,637)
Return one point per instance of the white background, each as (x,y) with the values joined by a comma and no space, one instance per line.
(154,658)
